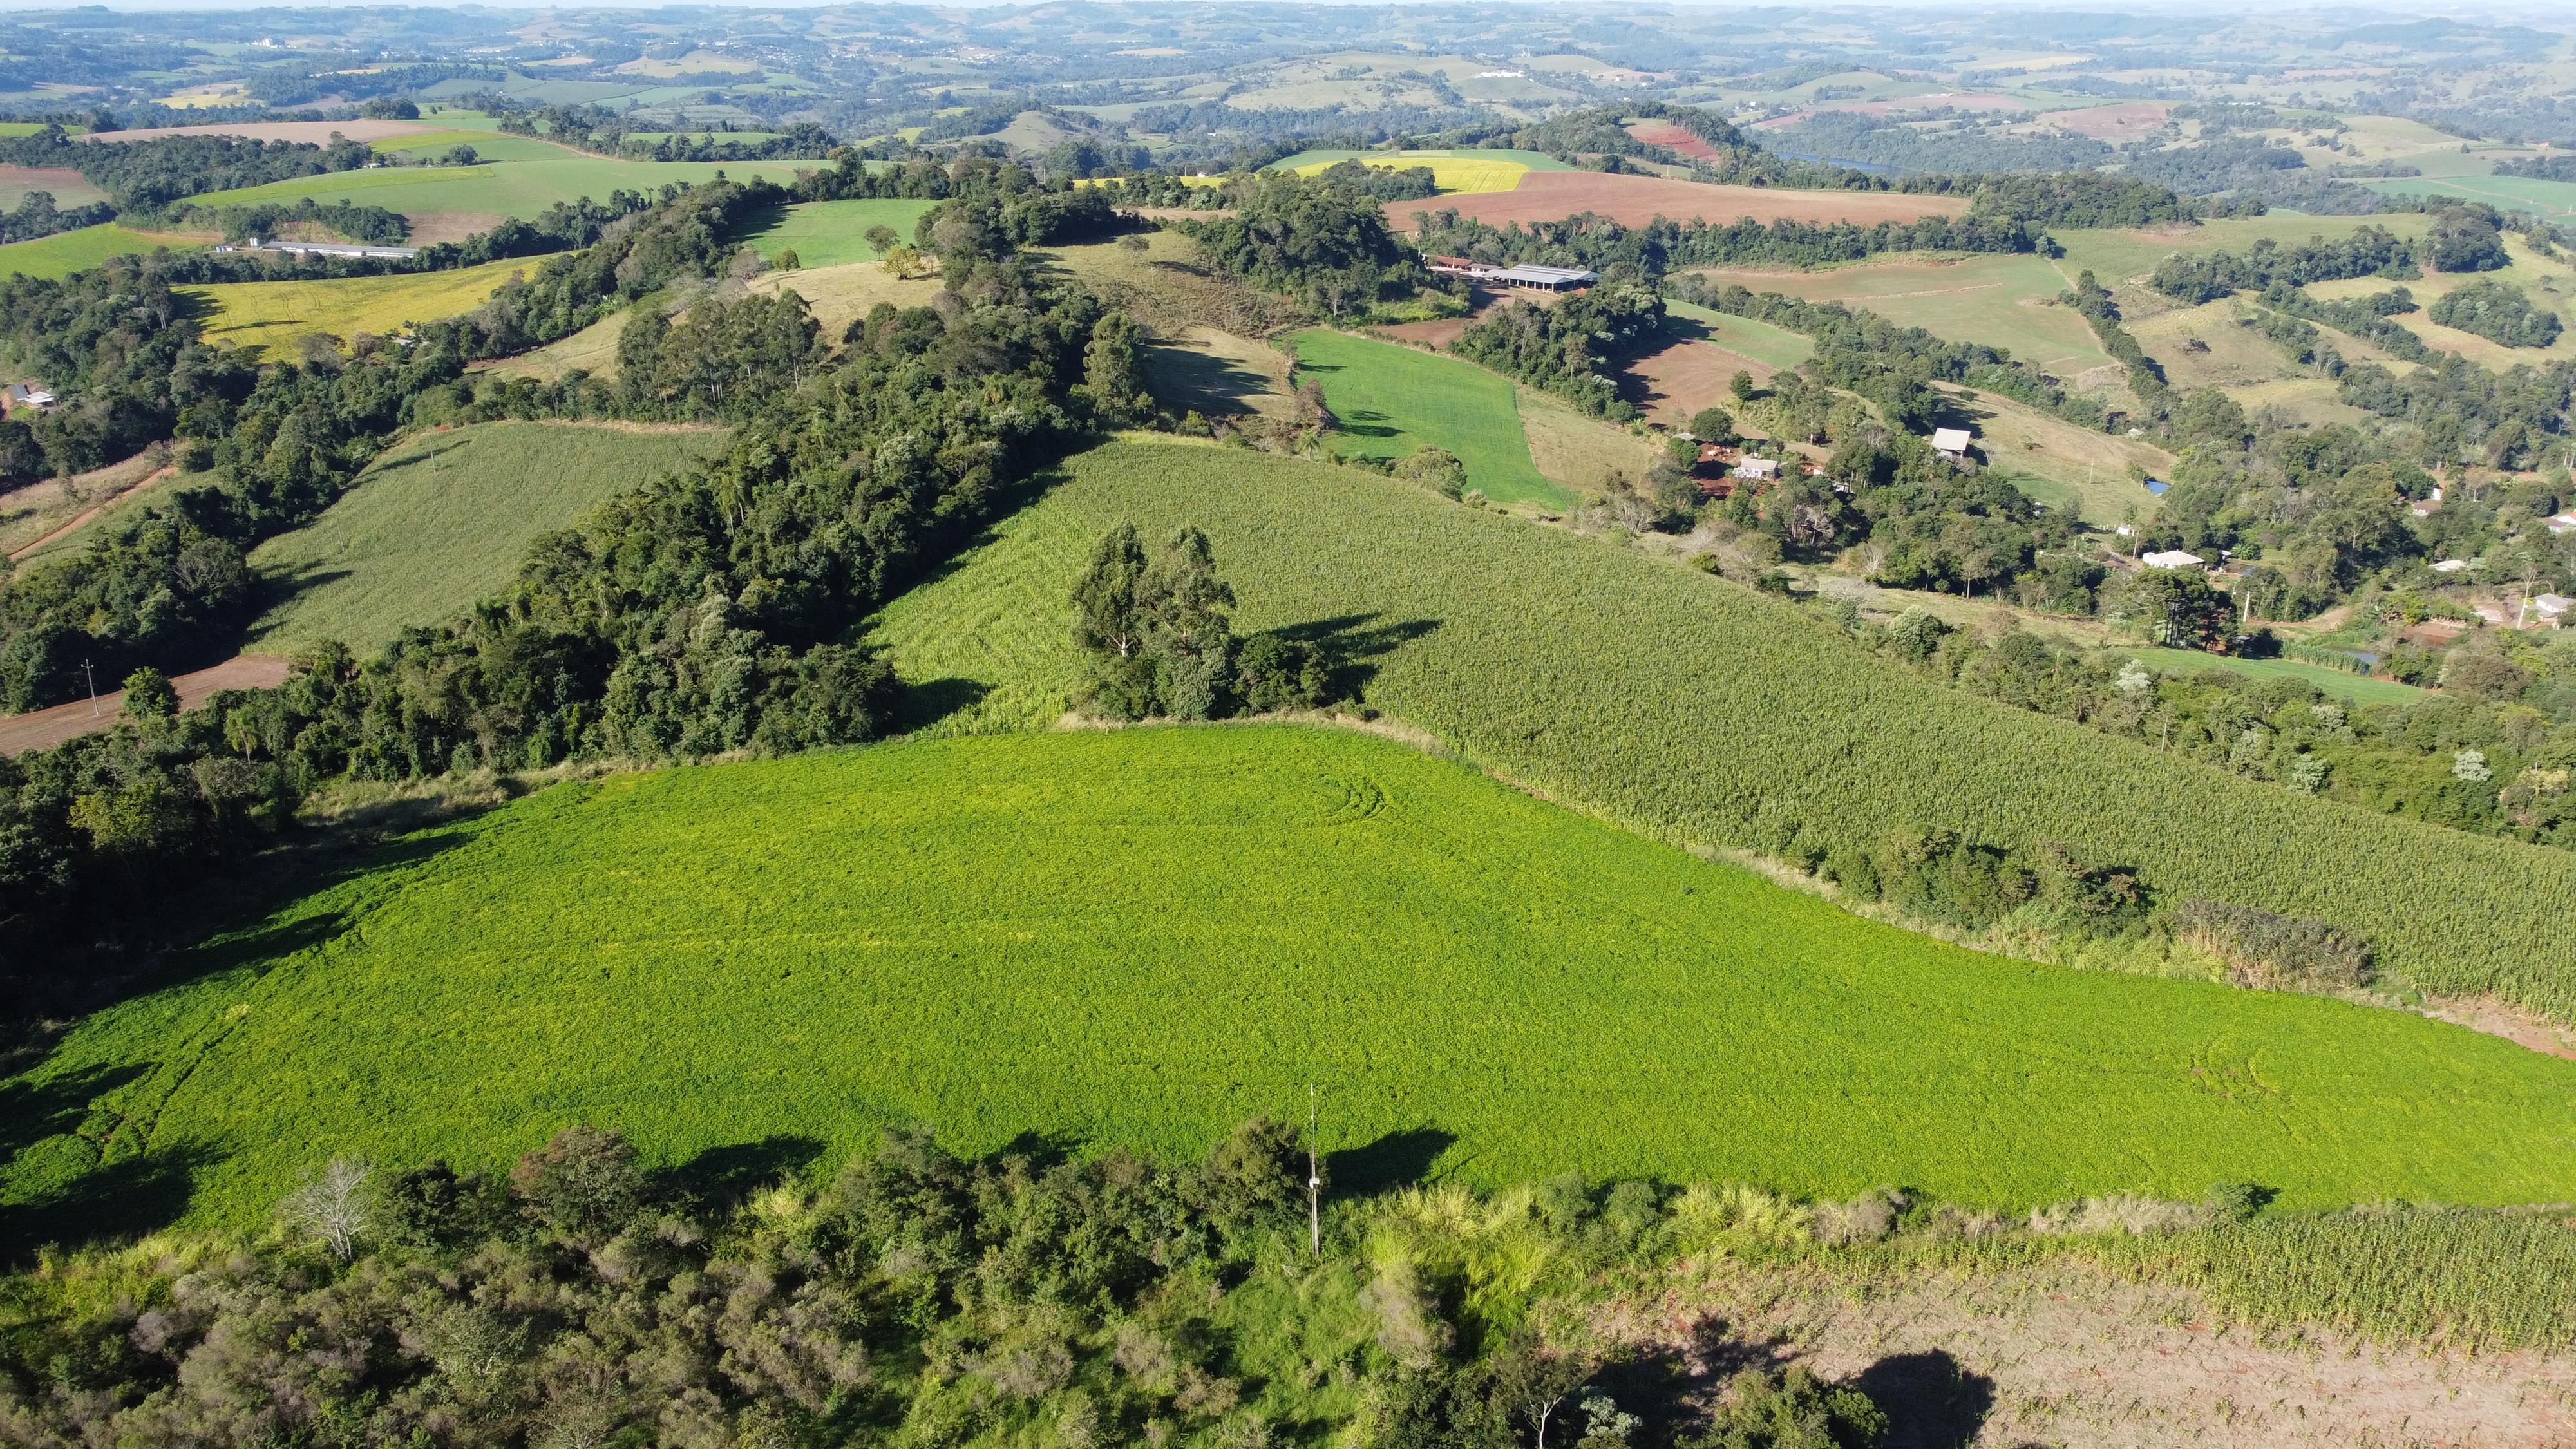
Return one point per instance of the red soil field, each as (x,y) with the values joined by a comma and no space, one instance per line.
(2124,122)
(1636,200)
(1688,375)
(46,728)
(316,132)
(1665,133)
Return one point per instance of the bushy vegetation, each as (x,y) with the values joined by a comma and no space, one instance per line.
(1600,244)
(1131,920)
(1716,715)
(2488,754)
(2498,312)
(144,176)
(1321,239)
(1568,346)
(2207,276)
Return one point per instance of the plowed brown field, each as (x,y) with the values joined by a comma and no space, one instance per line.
(1636,200)
(1665,133)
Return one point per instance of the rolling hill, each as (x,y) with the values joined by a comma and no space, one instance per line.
(1137,938)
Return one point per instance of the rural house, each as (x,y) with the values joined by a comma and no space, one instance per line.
(1757,469)
(1951,443)
(28,395)
(2171,558)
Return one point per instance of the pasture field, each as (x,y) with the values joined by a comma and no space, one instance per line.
(830,233)
(1138,938)
(442,522)
(2000,301)
(275,314)
(68,187)
(491,146)
(508,188)
(1695,709)
(2062,465)
(2550,283)
(2505,193)
(1392,400)
(66,252)
(2357,688)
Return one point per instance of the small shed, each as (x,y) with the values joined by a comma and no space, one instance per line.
(2563,522)
(2552,607)
(2171,558)
(1951,443)
(2450,565)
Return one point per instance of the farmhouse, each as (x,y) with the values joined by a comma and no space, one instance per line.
(29,395)
(1756,468)
(2171,558)
(322,249)
(1528,278)
(1951,443)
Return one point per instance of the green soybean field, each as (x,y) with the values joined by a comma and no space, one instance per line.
(1694,709)
(1137,938)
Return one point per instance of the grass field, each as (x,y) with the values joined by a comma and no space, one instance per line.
(490,146)
(274,314)
(2359,689)
(1772,346)
(2505,193)
(1138,938)
(1450,172)
(829,233)
(509,188)
(67,252)
(443,520)
(1695,709)
(2001,301)
(1392,400)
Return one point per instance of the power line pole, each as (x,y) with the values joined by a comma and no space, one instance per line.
(93,688)
(1314,1182)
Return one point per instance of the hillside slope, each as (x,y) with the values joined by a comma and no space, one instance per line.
(443,521)
(1696,709)
(1137,938)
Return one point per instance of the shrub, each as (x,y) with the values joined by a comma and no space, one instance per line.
(2261,948)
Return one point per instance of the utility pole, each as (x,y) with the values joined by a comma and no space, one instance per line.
(1314,1182)
(93,688)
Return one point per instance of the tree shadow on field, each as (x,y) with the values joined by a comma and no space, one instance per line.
(116,1202)
(1931,1400)
(726,1177)
(929,701)
(1351,643)
(1398,1159)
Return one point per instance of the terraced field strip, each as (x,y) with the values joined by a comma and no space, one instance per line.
(1138,938)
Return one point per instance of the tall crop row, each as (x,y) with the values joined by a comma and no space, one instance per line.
(1700,711)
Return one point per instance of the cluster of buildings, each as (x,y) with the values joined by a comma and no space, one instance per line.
(1525,278)
(320,249)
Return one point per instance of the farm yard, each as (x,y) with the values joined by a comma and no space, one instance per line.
(1649,693)
(1636,200)
(274,315)
(441,522)
(1392,400)
(725,954)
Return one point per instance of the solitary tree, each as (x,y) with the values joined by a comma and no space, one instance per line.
(150,695)
(1742,386)
(336,1209)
